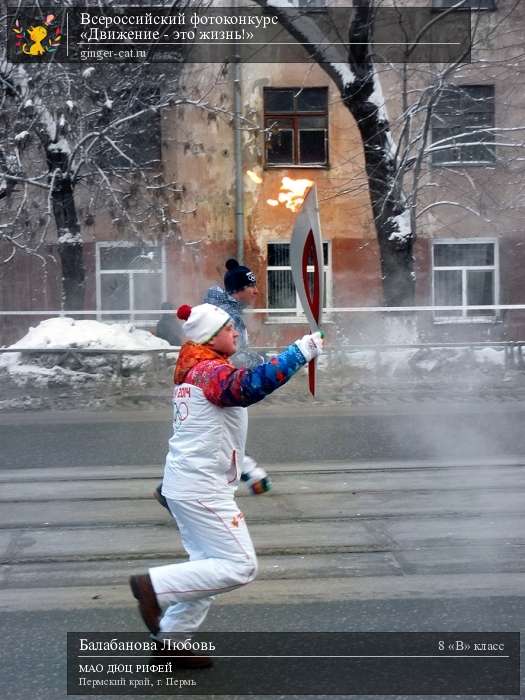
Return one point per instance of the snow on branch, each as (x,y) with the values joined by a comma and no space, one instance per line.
(450,204)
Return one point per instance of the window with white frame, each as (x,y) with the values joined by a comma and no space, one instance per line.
(465,273)
(280,286)
(130,278)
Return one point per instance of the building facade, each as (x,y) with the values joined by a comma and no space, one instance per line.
(468,199)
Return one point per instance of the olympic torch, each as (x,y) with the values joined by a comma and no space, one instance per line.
(306,251)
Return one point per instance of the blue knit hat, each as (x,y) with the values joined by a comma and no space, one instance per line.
(237,277)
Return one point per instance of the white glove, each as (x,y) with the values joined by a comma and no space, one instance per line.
(310,345)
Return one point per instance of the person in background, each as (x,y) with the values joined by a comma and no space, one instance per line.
(202,471)
(168,327)
(239,292)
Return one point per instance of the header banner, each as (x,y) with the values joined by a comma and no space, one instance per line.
(218,34)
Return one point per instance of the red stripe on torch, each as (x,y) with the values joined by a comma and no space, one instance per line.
(314,301)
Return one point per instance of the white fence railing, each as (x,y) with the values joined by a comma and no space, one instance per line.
(326,310)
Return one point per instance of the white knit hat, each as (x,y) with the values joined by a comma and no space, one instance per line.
(202,322)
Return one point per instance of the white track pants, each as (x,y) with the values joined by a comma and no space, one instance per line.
(222,557)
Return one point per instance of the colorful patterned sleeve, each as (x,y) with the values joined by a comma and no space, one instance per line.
(226,386)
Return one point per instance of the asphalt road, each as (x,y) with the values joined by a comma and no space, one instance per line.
(357,546)
(280,434)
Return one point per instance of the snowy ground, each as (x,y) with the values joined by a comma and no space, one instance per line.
(46,370)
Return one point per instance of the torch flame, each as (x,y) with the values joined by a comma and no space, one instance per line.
(291,193)
(254,177)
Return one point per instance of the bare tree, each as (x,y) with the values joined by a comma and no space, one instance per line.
(76,133)
(357,81)
(85,133)
(446,116)
(426,110)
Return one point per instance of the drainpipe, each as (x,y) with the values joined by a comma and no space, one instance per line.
(237,149)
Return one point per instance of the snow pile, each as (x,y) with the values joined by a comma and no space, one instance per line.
(66,332)
(67,366)
(458,361)
(426,362)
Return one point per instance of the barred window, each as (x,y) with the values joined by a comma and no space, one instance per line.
(280,285)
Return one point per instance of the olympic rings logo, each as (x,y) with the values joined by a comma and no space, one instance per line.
(181,412)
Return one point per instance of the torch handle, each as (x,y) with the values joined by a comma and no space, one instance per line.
(311,377)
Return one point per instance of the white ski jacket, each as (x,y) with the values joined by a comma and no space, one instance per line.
(210,420)
(206,450)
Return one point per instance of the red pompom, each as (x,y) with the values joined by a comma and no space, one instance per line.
(183,312)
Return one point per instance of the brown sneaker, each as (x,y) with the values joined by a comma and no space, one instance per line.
(142,589)
(185,659)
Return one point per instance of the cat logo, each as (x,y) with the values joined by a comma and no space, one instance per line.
(38,39)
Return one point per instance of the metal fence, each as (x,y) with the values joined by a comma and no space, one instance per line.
(514,354)
(513,349)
